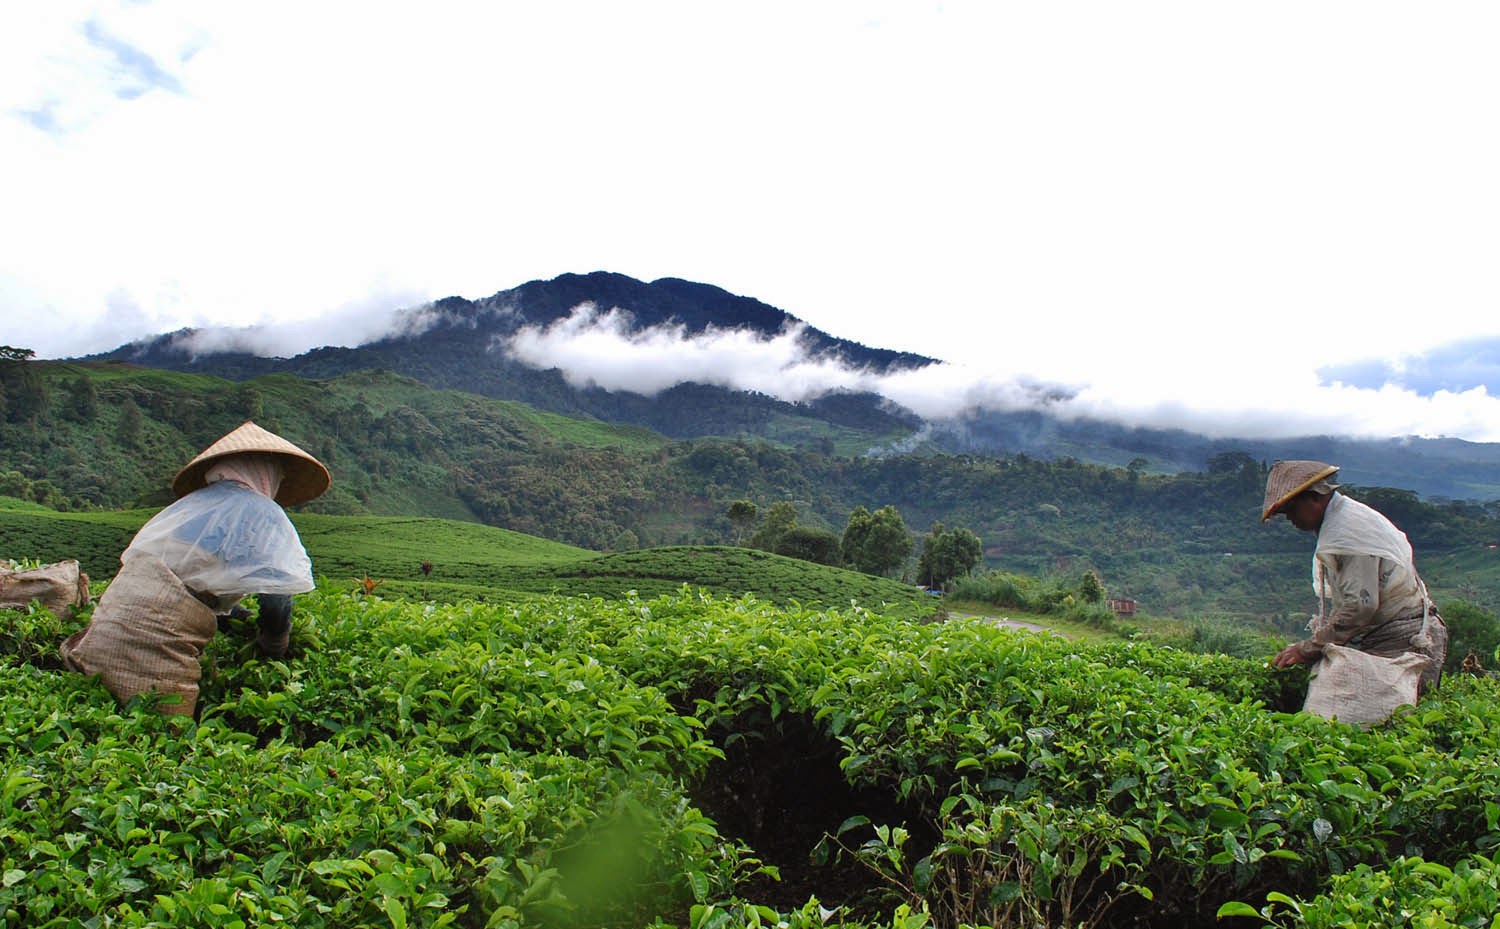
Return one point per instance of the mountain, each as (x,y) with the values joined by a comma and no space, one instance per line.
(460,344)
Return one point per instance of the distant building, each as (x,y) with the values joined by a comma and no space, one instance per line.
(1123,606)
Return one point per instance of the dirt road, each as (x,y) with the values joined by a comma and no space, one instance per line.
(1008,623)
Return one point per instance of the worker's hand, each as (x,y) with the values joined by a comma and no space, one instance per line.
(1291,655)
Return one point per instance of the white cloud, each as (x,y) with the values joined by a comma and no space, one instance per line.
(594,349)
(599,349)
(347,326)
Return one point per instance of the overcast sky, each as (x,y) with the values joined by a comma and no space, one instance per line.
(1251,219)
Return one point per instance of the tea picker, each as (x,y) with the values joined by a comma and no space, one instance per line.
(225,538)
(1377,642)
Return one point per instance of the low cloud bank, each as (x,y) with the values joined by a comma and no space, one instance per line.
(599,349)
(1444,392)
(349,326)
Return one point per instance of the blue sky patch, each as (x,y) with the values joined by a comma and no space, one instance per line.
(1456,367)
(139,72)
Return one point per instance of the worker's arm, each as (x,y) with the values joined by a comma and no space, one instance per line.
(1356,594)
(273,624)
(1356,597)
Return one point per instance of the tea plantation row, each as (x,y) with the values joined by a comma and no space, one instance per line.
(689,761)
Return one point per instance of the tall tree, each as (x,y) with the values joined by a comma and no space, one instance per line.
(947,553)
(254,403)
(130,423)
(21,388)
(83,399)
(1471,629)
(1091,589)
(808,544)
(742,516)
(876,543)
(780,518)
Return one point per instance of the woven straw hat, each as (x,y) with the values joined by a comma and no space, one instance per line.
(1290,478)
(305,478)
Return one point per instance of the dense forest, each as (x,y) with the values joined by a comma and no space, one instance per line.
(110,435)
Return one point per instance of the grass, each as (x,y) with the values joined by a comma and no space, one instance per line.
(587,433)
(109,374)
(798,432)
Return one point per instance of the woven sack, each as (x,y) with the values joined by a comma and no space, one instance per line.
(1356,687)
(147,635)
(56,586)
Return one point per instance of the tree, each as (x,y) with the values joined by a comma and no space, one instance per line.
(254,403)
(1470,629)
(1229,463)
(14,484)
(876,543)
(742,516)
(21,388)
(1091,589)
(948,553)
(1247,472)
(130,423)
(780,518)
(818,546)
(83,399)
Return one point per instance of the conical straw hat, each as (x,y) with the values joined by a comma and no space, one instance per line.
(305,477)
(1290,478)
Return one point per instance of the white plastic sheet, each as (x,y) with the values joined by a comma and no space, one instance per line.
(228,541)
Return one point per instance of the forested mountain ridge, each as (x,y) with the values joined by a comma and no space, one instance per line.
(456,343)
(1441,468)
(111,435)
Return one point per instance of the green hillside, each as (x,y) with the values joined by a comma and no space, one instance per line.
(107,436)
(471,561)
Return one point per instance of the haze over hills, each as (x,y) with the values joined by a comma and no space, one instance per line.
(688,359)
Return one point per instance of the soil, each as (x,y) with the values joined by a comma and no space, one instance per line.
(781,792)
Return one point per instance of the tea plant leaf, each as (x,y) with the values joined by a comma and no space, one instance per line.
(853,822)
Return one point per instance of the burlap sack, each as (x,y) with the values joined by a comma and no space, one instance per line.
(56,586)
(147,635)
(1356,687)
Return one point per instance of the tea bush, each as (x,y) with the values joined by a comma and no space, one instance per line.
(1409,892)
(533,763)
